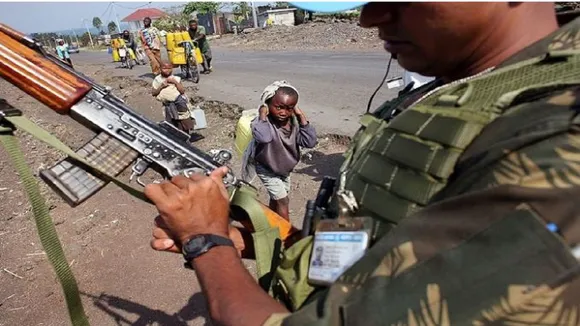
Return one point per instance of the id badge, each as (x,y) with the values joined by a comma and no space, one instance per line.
(337,246)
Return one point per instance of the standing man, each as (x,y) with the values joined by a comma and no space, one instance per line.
(197,34)
(151,39)
(469,185)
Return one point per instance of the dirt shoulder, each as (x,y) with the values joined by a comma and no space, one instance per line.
(318,35)
(106,239)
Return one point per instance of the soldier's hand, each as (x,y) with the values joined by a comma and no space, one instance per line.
(191,206)
(162,240)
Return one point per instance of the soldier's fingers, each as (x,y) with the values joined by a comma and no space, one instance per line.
(164,245)
(181,181)
(169,188)
(156,193)
(219,173)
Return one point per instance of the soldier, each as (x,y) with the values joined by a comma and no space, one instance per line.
(478,170)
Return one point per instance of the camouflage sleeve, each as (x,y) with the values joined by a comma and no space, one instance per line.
(483,257)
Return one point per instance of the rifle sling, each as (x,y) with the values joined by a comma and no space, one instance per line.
(44,225)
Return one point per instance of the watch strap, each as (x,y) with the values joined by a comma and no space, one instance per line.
(211,240)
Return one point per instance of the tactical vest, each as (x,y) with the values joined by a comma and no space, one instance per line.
(396,168)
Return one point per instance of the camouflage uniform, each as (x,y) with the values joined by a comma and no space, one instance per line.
(479,253)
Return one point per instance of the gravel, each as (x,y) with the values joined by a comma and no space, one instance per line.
(319,35)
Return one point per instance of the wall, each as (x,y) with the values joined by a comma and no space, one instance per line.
(283,18)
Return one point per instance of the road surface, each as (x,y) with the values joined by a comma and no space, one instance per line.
(334,86)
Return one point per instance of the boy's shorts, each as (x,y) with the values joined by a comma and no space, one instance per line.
(278,186)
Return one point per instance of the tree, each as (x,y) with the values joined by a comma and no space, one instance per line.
(242,8)
(85,40)
(97,23)
(281,4)
(112,27)
(202,8)
(172,22)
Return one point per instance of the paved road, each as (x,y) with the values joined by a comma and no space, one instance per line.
(334,87)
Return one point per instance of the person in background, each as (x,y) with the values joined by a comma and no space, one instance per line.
(62,52)
(168,90)
(151,39)
(197,34)
(279,132)
(131,44)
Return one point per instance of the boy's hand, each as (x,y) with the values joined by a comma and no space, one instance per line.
(297,111)
(263,112)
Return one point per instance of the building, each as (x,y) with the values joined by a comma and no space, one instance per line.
(284,16)
(135,20)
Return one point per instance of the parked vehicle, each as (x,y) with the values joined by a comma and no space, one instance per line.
(73,48)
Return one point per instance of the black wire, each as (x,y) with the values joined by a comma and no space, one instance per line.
(380,85)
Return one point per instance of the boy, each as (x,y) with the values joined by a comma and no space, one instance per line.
(279,132)
(62,52)
(168,89)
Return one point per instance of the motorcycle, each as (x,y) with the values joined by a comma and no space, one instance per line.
(140,56)
(125,57)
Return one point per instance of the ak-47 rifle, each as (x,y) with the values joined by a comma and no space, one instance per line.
(124,137)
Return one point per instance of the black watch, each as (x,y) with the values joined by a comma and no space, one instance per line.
(202,243)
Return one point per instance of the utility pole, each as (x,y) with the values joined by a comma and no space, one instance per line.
(116,18)
(254,15)
(84,21)
(76,37)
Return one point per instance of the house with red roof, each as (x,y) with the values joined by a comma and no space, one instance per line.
(135,19)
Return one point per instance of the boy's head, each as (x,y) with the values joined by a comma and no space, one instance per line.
(166,69)
(281,105)
(147,22)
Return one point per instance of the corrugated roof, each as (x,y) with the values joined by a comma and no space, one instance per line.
(140,14)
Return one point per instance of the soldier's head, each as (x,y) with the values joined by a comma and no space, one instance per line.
(456,39)
(281,105)
(147,22)
(193,24)
(166,69)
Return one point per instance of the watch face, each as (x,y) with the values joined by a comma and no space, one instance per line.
(196,246)
(196,243)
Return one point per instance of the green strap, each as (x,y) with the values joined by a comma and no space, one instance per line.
(30,127)
(46,229)
(267,242)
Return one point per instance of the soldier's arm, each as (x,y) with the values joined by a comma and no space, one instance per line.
(233,296)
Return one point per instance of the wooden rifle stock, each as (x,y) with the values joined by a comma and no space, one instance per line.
(37,75)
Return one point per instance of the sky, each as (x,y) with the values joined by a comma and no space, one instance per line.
(44,17)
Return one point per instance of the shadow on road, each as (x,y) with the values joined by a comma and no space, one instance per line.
(320,164)
(120,309)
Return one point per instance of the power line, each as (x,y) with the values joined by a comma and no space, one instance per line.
(108,7)
(132,8)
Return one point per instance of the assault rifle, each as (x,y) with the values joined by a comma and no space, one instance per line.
(123,136)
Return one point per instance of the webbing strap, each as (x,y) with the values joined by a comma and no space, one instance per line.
(39,133)
(46,230)
(267,243)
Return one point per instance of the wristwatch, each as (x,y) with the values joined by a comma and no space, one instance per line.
(202,243)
